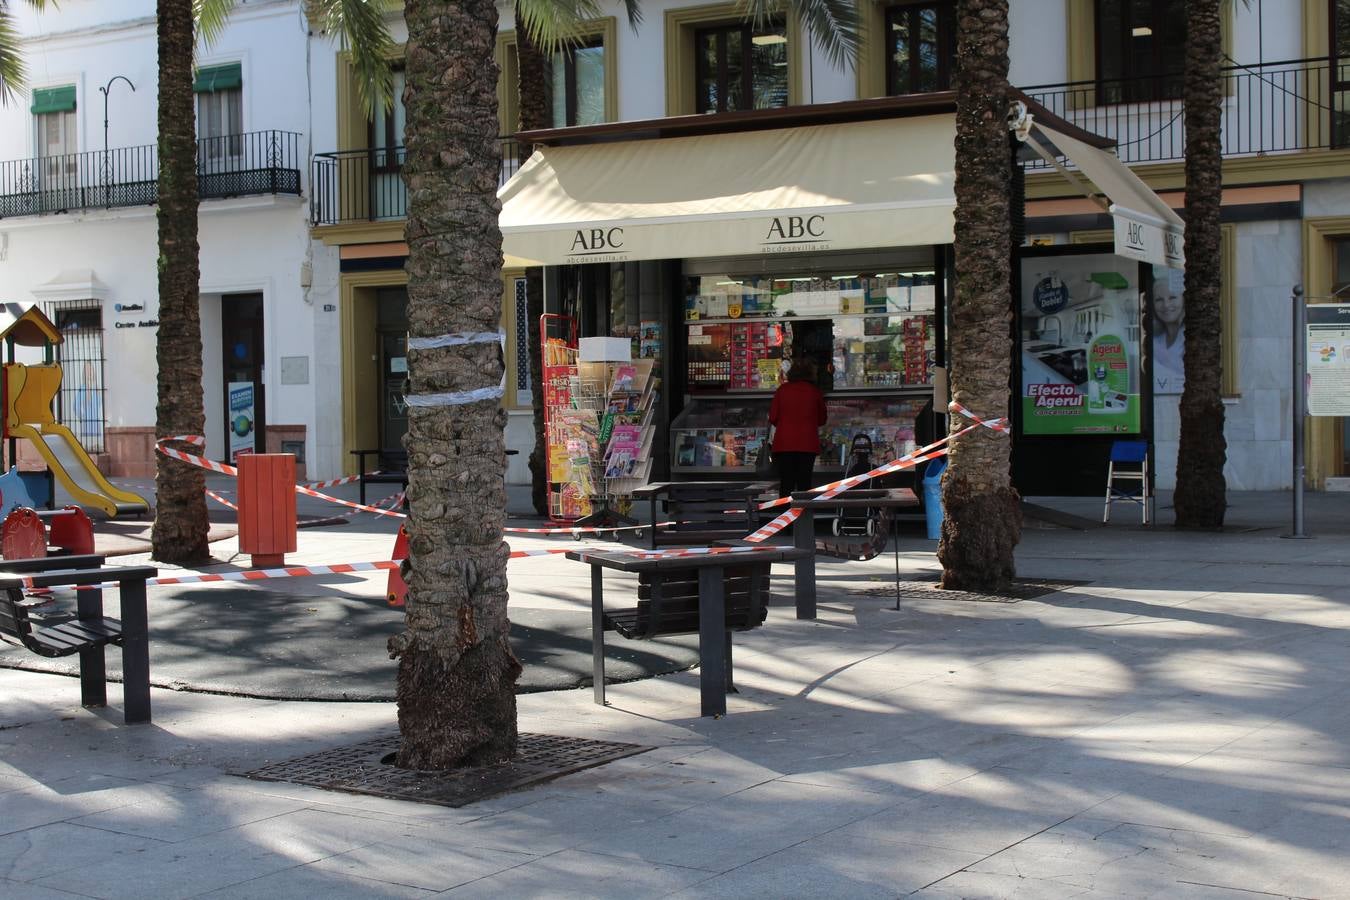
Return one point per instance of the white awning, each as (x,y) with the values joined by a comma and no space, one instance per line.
(854,185)
(1146,228)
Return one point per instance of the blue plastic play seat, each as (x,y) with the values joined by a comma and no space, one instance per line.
(1129,463)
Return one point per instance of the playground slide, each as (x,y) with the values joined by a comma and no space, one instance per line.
(77,472)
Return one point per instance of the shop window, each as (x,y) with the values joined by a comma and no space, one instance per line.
(1141,50)
(740,66)
(577,84)
(920,47)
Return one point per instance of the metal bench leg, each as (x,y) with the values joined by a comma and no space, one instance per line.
(93,665)
(804,538)
(731,685)
(712,632)
(135,653)
(598,633)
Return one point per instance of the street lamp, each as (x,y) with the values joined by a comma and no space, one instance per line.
(107,172)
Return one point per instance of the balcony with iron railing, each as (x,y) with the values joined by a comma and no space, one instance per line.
(351,186)
(1268,108)
(258,162)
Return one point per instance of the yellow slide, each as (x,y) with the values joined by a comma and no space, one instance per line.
(55,440)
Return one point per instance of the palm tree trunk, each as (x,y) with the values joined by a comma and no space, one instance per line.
(456,673)
(983,516)
(179,533)
(534,114)
(1199,498)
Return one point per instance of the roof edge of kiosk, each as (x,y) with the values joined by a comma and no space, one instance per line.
(839,176)
(746,120)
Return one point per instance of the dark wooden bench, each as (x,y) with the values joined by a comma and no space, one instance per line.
(391,468)
(710,595)
(90,631)
(703,511)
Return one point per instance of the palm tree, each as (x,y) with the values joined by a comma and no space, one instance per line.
(179,532)
(1199,499)
(983,515)
(180,527)
(457,674)
(13,72)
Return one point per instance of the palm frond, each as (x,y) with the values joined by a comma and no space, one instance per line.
(360,27)
(13,73)
(553,25)
(211,17)
(834,25)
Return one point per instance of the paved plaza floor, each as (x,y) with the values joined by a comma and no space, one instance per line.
(1174,725)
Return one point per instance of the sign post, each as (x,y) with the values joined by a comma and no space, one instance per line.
(1300,407)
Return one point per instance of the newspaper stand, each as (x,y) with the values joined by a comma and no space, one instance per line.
(558,343)
(598,422)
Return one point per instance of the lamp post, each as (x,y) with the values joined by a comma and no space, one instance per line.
(107,172)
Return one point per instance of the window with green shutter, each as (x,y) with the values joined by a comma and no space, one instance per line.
(226,77)
(53,100)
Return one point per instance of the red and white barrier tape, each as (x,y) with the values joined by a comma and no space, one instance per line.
(576,532)
(221,500)
(835,488)
(285,572)
(204,463)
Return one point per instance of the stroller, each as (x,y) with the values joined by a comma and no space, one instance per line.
(858,522)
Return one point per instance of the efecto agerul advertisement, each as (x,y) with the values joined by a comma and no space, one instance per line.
(1080,345)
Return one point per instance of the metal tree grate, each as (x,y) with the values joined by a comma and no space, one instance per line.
(1020,589)
(361,769)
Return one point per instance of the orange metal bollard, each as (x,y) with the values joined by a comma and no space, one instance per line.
(397,591)
(23,536)
(267,507)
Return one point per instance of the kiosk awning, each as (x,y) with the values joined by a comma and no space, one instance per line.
(1146,227)
(882,183)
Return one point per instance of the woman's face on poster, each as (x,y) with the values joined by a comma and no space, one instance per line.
(1167,306)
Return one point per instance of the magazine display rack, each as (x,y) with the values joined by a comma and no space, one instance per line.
(598,419)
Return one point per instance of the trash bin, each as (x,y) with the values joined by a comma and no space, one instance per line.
(932,497)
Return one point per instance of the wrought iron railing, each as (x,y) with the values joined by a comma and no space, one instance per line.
(367,185)
(1268,108)
(259,162)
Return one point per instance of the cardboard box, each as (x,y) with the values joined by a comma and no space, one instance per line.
(605,349)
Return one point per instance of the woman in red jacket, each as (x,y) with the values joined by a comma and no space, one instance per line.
(797,412)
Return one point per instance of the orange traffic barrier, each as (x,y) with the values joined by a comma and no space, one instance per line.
(397,590)
(267,523)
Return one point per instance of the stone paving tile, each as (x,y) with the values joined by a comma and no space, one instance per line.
(74,797)
(742,827)
(560,823)
(190,814)
(1099,855)
(308,882)
(421,863)
(183,869)
(984,813)
(835,865)
(21,891)
(572,873)
(37,852)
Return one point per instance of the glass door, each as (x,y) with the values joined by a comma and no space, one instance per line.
(392,319)
(241,319)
